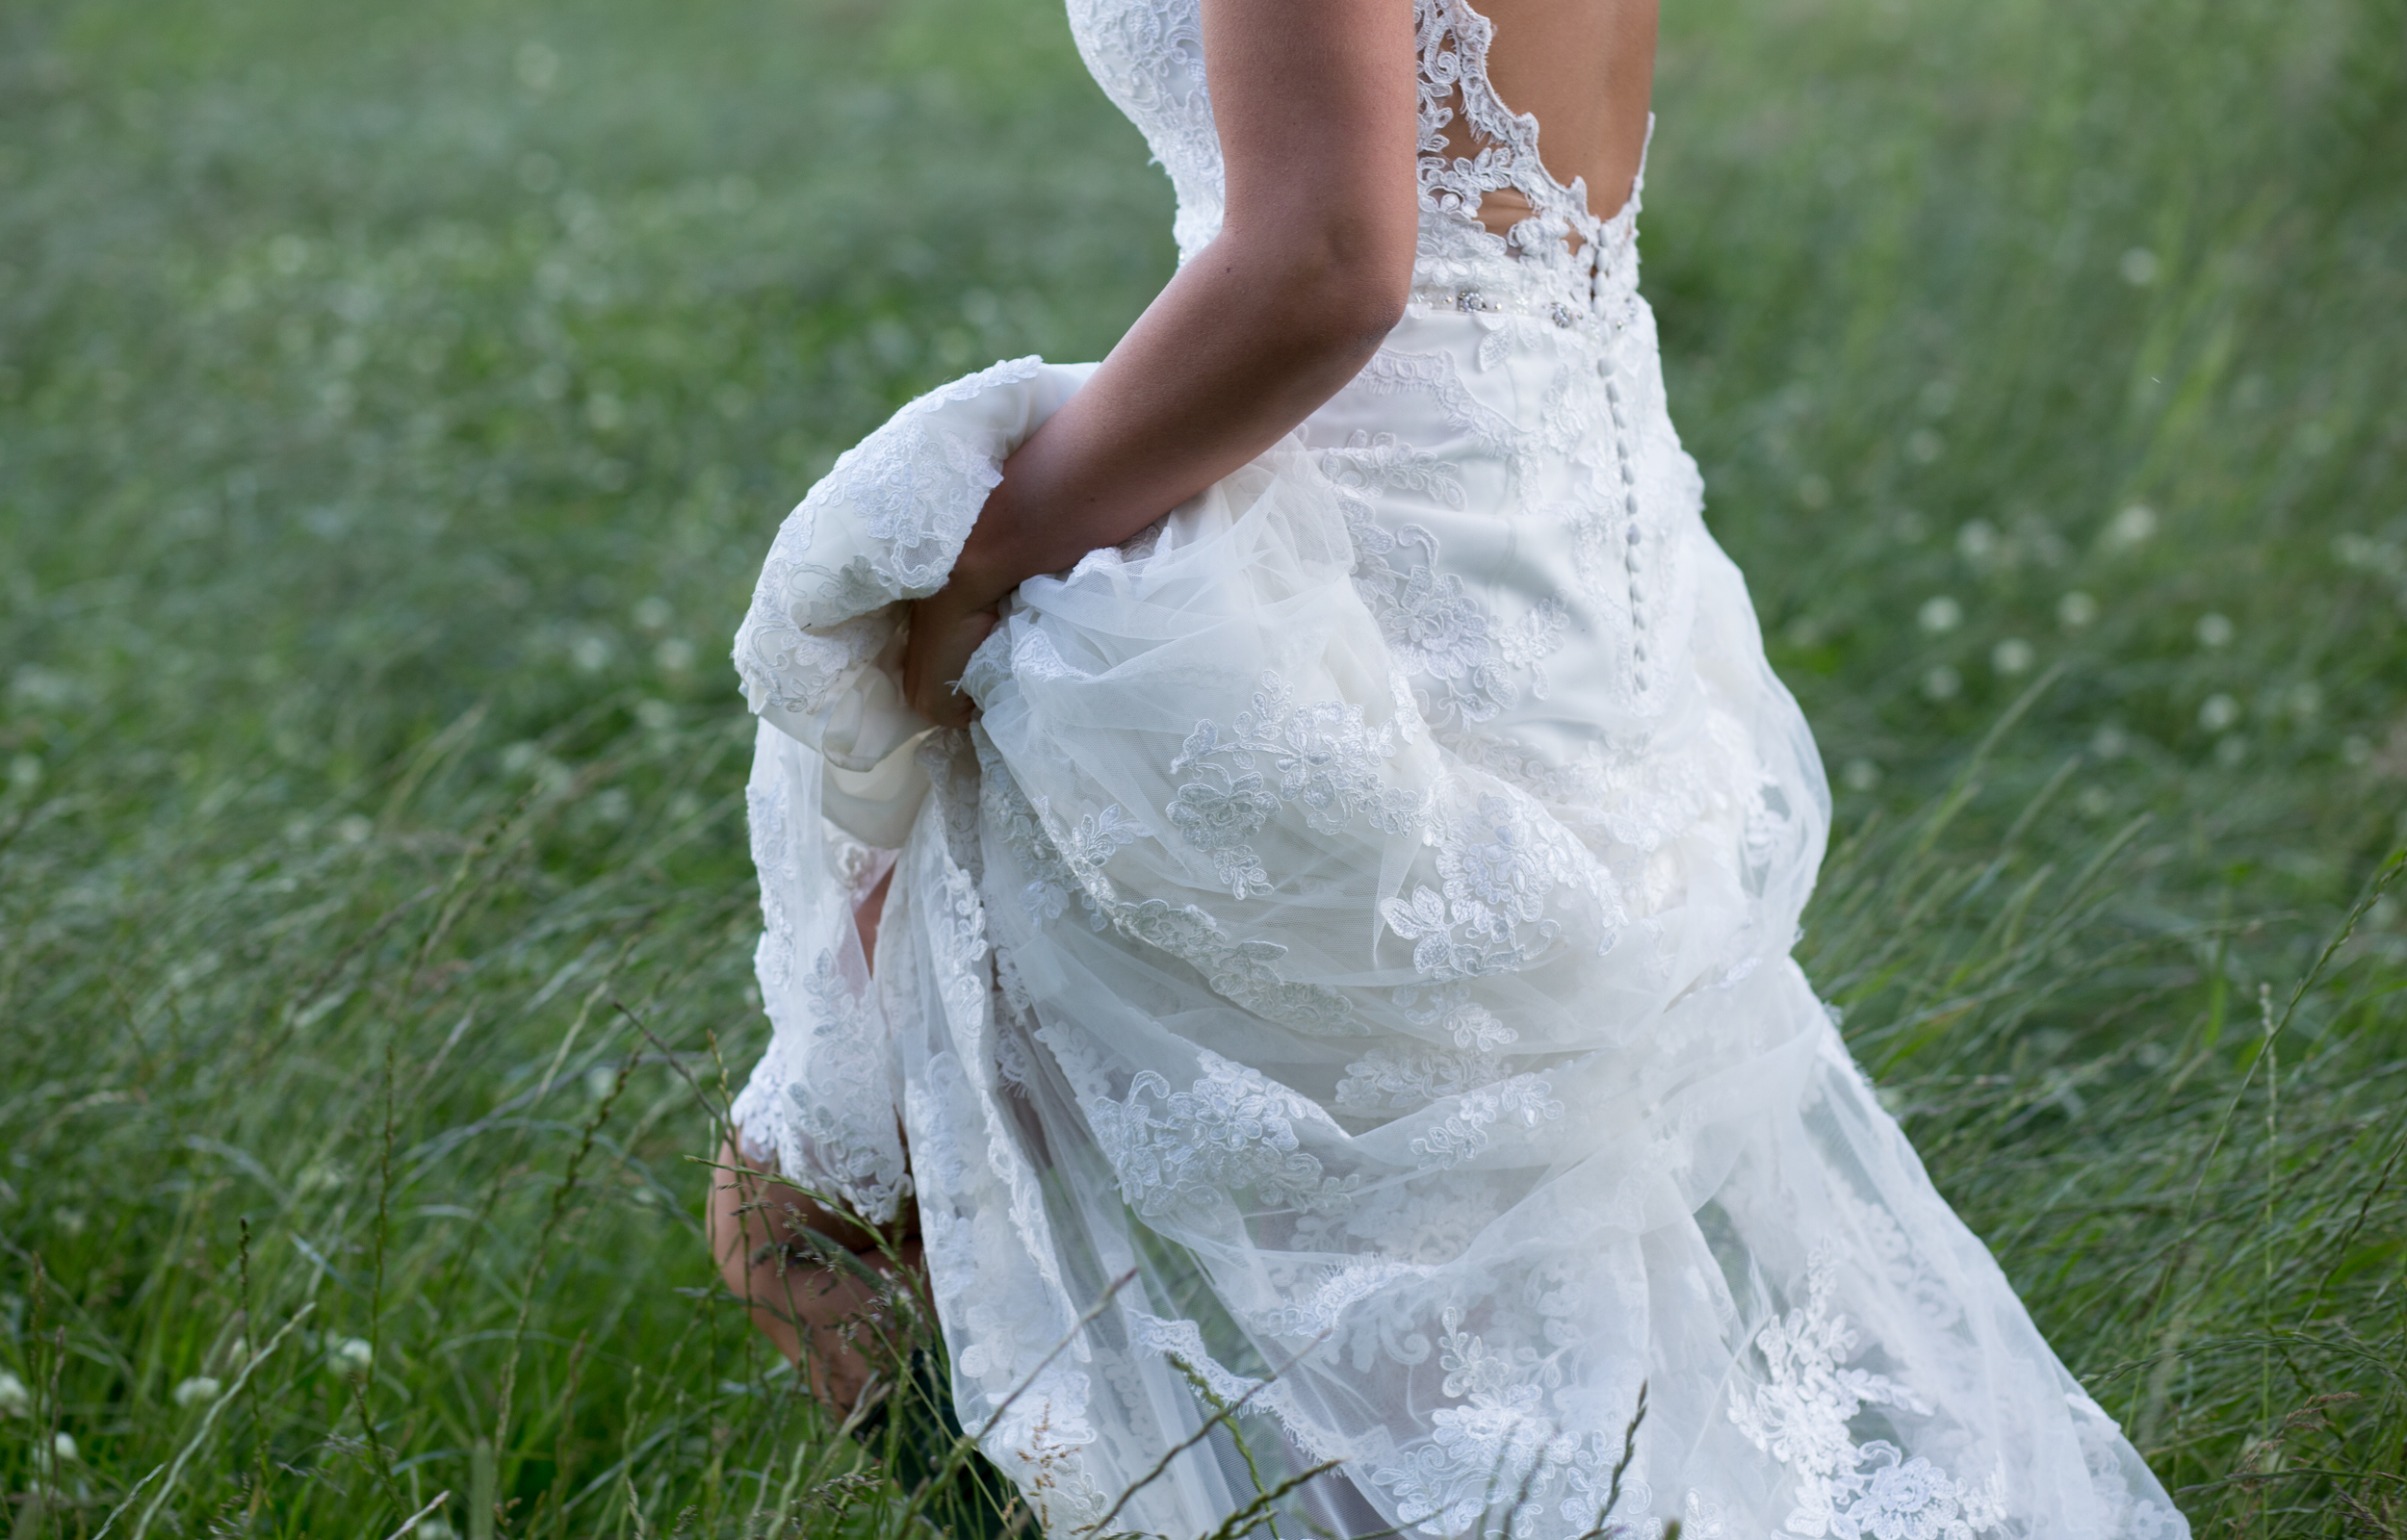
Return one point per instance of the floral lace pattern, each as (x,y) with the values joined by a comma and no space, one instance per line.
(1387,1080)
(1437,632)
(820,1100)
(1245,972)
(1497,869)
(1354,922)
(1322,757)
(1800,1416)
(1148,56)
(1464,1134)
(1231,1131)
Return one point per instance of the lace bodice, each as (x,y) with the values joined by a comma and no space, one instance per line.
(1148,55)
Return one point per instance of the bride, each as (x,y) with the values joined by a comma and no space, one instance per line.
(1279,851)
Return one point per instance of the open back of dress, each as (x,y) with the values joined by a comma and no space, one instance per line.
(1360,920)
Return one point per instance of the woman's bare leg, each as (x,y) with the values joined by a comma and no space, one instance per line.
(783,1254)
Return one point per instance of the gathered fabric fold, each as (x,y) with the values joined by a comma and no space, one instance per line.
(1343,970)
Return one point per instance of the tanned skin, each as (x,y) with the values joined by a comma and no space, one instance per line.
(1316,112)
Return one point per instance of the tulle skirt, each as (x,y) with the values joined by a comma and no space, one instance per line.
(1333,1013)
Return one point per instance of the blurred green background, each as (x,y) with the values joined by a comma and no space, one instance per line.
(395,407)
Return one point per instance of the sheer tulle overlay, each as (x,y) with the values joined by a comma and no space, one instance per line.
(1358,918)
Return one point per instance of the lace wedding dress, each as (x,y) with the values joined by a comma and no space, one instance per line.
(1342,976)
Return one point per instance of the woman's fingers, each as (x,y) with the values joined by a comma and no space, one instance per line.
(942,640)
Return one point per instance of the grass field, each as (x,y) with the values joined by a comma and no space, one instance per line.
(395,407)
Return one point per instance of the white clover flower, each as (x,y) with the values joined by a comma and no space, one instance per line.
(198,1388)
(352,1355)
(2367,554)
(2013,656)
(2219,712)
(1978,540)
(2075,610)
(2215,630)
(536,66)
(675,655)
(1860,775)
(15,1401)
(318,1176)
(2110,742)
(65,1446)
(2139,267)
(1942,684)
(2132,527)
(1939,615)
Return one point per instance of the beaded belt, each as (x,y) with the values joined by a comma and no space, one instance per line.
(1474,301)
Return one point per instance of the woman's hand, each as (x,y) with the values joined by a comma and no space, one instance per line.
(945,628)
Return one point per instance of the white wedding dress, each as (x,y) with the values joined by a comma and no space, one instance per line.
(1361,913)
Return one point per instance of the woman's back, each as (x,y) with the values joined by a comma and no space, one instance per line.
(1584,71)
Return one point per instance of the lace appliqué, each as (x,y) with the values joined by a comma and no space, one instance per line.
(1800,1416)
(2104,1452)
(885,524)
(1184,1153)
(1436,630)
(1316,1314)
(1462,1136)
(1323,758)
(1391,374)
(1480,1458)
(1389,1081)
(1180,1344)
(1369,463)
(1063,862)
(1496,870)
(1148,56)
(820,1100)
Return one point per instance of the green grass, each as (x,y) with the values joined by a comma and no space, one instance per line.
(391,415)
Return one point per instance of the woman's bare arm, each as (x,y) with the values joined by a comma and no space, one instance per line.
(1315,107)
